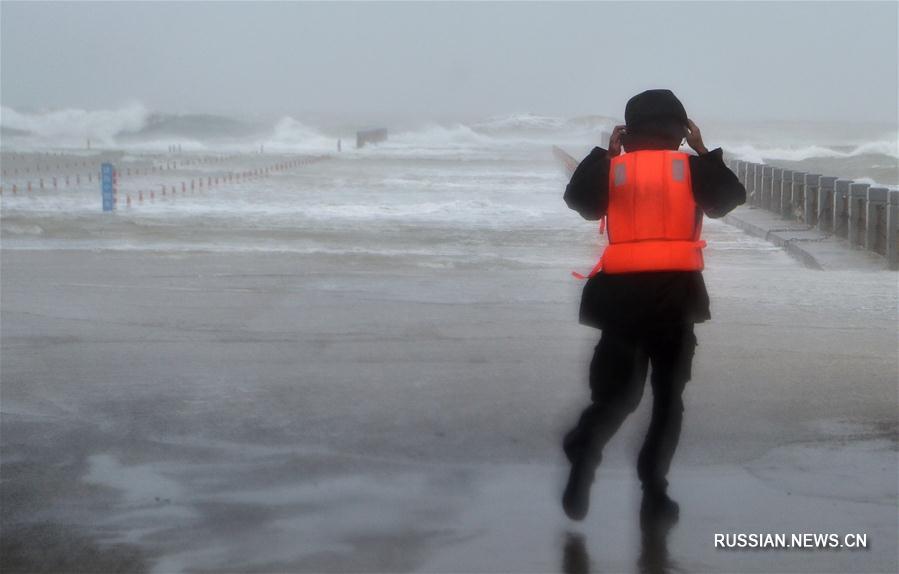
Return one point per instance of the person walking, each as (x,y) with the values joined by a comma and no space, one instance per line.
(647,292)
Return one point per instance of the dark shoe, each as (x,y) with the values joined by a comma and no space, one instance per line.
(658,507)
(576,499)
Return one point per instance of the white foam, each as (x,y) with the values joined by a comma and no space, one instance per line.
(749,152)
(291,135)
(520,122)
(436,135)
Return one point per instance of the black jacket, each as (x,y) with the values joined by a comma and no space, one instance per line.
(634,301)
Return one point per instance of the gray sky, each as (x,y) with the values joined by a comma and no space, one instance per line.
(760,60)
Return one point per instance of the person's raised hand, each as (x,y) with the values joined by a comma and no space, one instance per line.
(615,141)
(694,138)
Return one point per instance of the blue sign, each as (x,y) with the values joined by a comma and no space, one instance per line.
(107,186)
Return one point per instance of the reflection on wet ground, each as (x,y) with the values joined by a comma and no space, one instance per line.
(198,507)
(575,558)
(653,558)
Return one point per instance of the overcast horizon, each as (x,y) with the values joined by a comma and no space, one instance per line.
(830,62)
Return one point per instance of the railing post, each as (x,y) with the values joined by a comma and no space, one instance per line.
(825,203)
(786,194)
(741,171)
(858,193)
(767,171)
(875,208)
(759,168)
(810,199)
(750,182)
(777,176)
(841,207)
(796,196)
(892,239)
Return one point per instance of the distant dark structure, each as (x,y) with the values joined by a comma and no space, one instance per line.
(370,136)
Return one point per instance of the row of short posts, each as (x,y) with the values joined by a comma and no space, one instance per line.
(866,216)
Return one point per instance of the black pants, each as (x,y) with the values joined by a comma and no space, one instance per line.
(617,376)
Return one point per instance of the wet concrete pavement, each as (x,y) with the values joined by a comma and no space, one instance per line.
(210,412)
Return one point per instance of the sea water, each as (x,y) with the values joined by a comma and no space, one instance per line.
(485,192)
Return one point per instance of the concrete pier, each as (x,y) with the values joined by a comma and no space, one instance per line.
(369,136)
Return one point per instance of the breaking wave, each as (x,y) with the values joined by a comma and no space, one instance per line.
(291,135)
(436,135)
(546,124)
(520,122)
(72,126)
(748,152)
(134,127)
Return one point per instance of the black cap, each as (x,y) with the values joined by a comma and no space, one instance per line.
(653,105)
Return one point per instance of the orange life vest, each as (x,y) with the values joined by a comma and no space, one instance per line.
(654,223)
